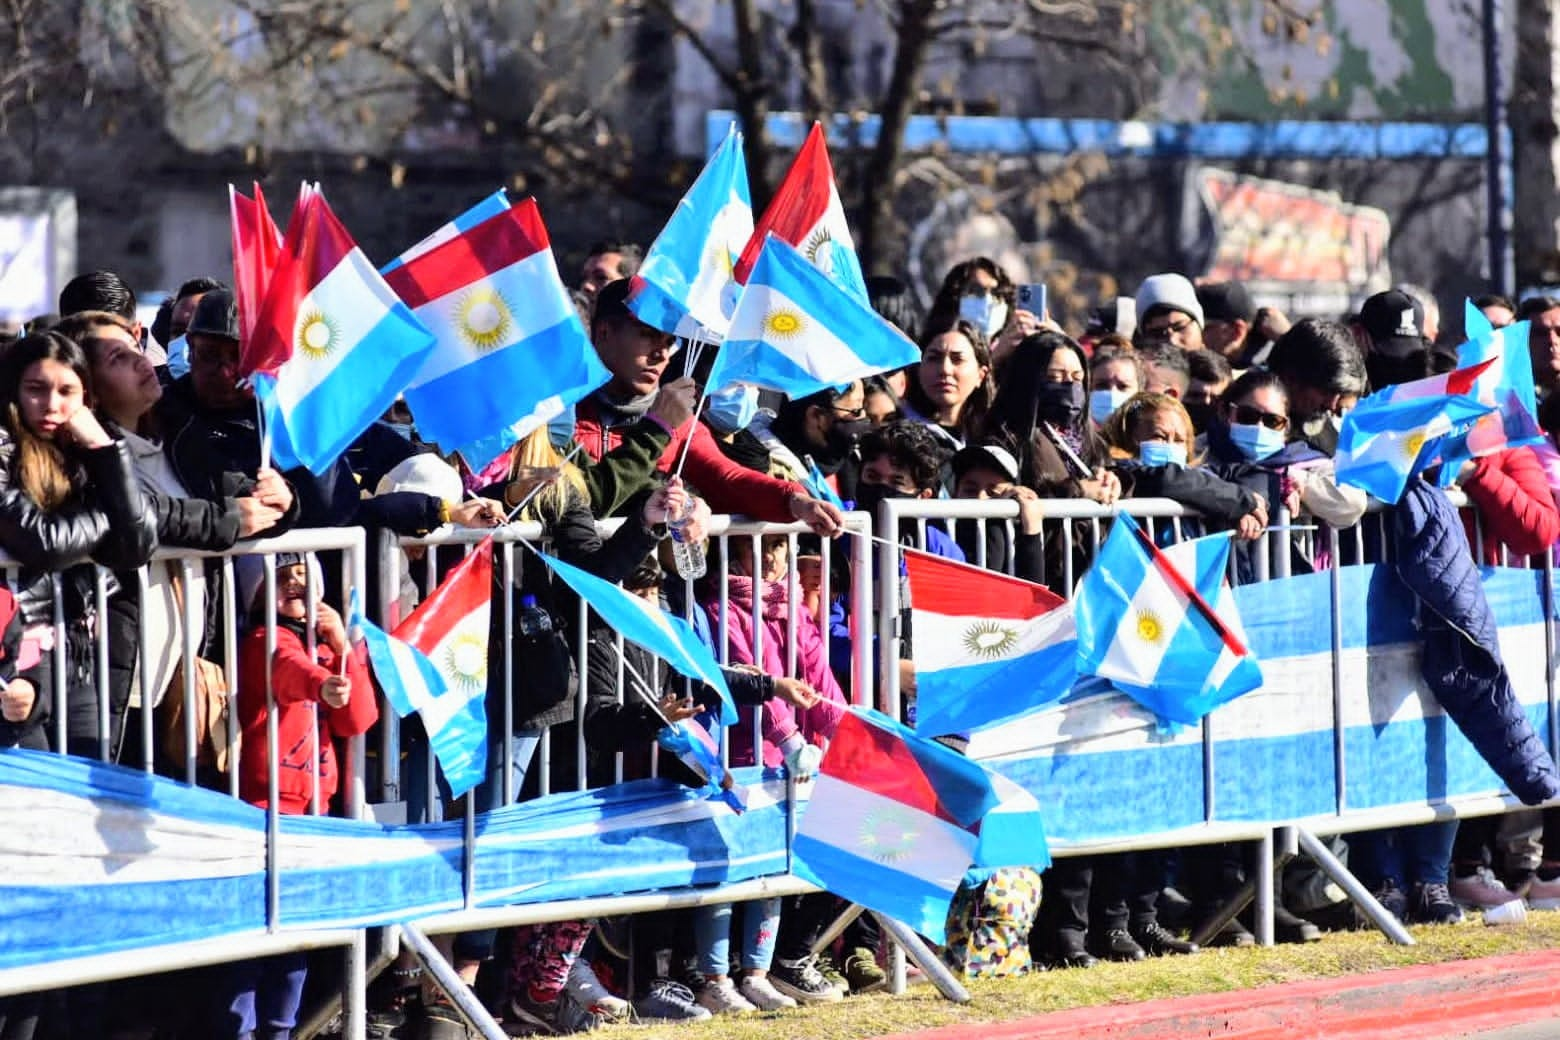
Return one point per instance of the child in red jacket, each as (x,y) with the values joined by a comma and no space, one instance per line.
(263,996)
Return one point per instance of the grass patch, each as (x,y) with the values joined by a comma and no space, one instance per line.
(1211,971)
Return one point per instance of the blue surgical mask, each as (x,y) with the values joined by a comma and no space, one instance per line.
(732,408)
(986,313)
(1255,441)
(178,356)
(1103,404)
(1161,453)
(403,428)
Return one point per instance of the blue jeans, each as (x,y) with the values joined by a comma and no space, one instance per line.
(1404,855)
(712,933)
(263,996)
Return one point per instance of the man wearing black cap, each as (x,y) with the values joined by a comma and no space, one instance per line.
(1227,317)
(1392,324)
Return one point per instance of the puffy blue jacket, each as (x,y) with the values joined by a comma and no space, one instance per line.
(1462,662)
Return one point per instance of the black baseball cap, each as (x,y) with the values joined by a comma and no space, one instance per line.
(1395,323)
(215,315)
(1226,301)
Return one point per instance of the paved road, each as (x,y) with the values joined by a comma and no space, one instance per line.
(1548,1029)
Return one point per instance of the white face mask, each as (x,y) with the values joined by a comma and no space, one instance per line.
(986,313)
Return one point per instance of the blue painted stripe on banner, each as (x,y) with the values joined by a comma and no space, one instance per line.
(88,779)
(1272,778)
(41,924)
(1082,795)
(1409,761)
(1006,135)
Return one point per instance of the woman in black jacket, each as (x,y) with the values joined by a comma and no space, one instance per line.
(68,499)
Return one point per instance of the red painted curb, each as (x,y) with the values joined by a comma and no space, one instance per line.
(1395,1004)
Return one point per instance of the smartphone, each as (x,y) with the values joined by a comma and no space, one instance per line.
(1031,298)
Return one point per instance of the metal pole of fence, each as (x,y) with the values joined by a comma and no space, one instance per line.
(1358,893)
(355,797)
(143,649)
(230,648)
(1335,604)
(100,667)
(61,707)
(444,975)
(888,613)
(1549,653)
(389,596)
(354,987)
(507,572)
(861,614)
(273,877)
(1264,909)
(187,621)
(924,959)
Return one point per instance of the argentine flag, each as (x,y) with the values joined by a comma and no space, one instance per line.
(488,208)
(797,332)
(686,282)
(510,344)
(1393,435)
(1508,385)
(1161,624)
(644,624)
(341,344)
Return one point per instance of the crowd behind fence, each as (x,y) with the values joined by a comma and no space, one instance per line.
(377,778)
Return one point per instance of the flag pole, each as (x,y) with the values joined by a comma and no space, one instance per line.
(265,433)
(698,406)
(642,688)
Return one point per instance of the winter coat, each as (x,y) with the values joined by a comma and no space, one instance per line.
(296,681)
(106,521)
(1515,503)
(1462,662)
(780,720)
(726,486)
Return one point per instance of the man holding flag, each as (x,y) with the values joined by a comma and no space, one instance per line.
(651,423)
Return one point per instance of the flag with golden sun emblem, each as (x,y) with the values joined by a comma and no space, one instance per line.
(1392,436)
(1161,624)
(895,820)
(334,344)
(797,332)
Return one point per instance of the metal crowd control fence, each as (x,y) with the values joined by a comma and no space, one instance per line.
(1070,526)
(1362,694)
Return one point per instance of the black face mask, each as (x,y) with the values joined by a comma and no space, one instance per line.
(869,496)
(840,442)
(1059,404)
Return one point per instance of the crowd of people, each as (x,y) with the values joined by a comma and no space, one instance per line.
(116,439)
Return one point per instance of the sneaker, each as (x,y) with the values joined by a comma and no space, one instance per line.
(1156,941)
(1480,890)
(863,974)
(669,1001)
(524,1016)
(1542,894)
(575,1017)
(832,975)
(1432,904)
(721,998)
(1118,945)
(1174,908)
(1068,951)
(758,991)
(443,1022)
(587,991)
(1391,898)
(803,982)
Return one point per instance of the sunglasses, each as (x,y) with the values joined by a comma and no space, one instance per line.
(1246,415)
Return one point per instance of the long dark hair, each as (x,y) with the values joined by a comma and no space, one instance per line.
(1014,420)
(972,416)
(945,305)
(40,465)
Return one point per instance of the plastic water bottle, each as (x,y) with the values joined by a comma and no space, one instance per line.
(533,619)
(688,553)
